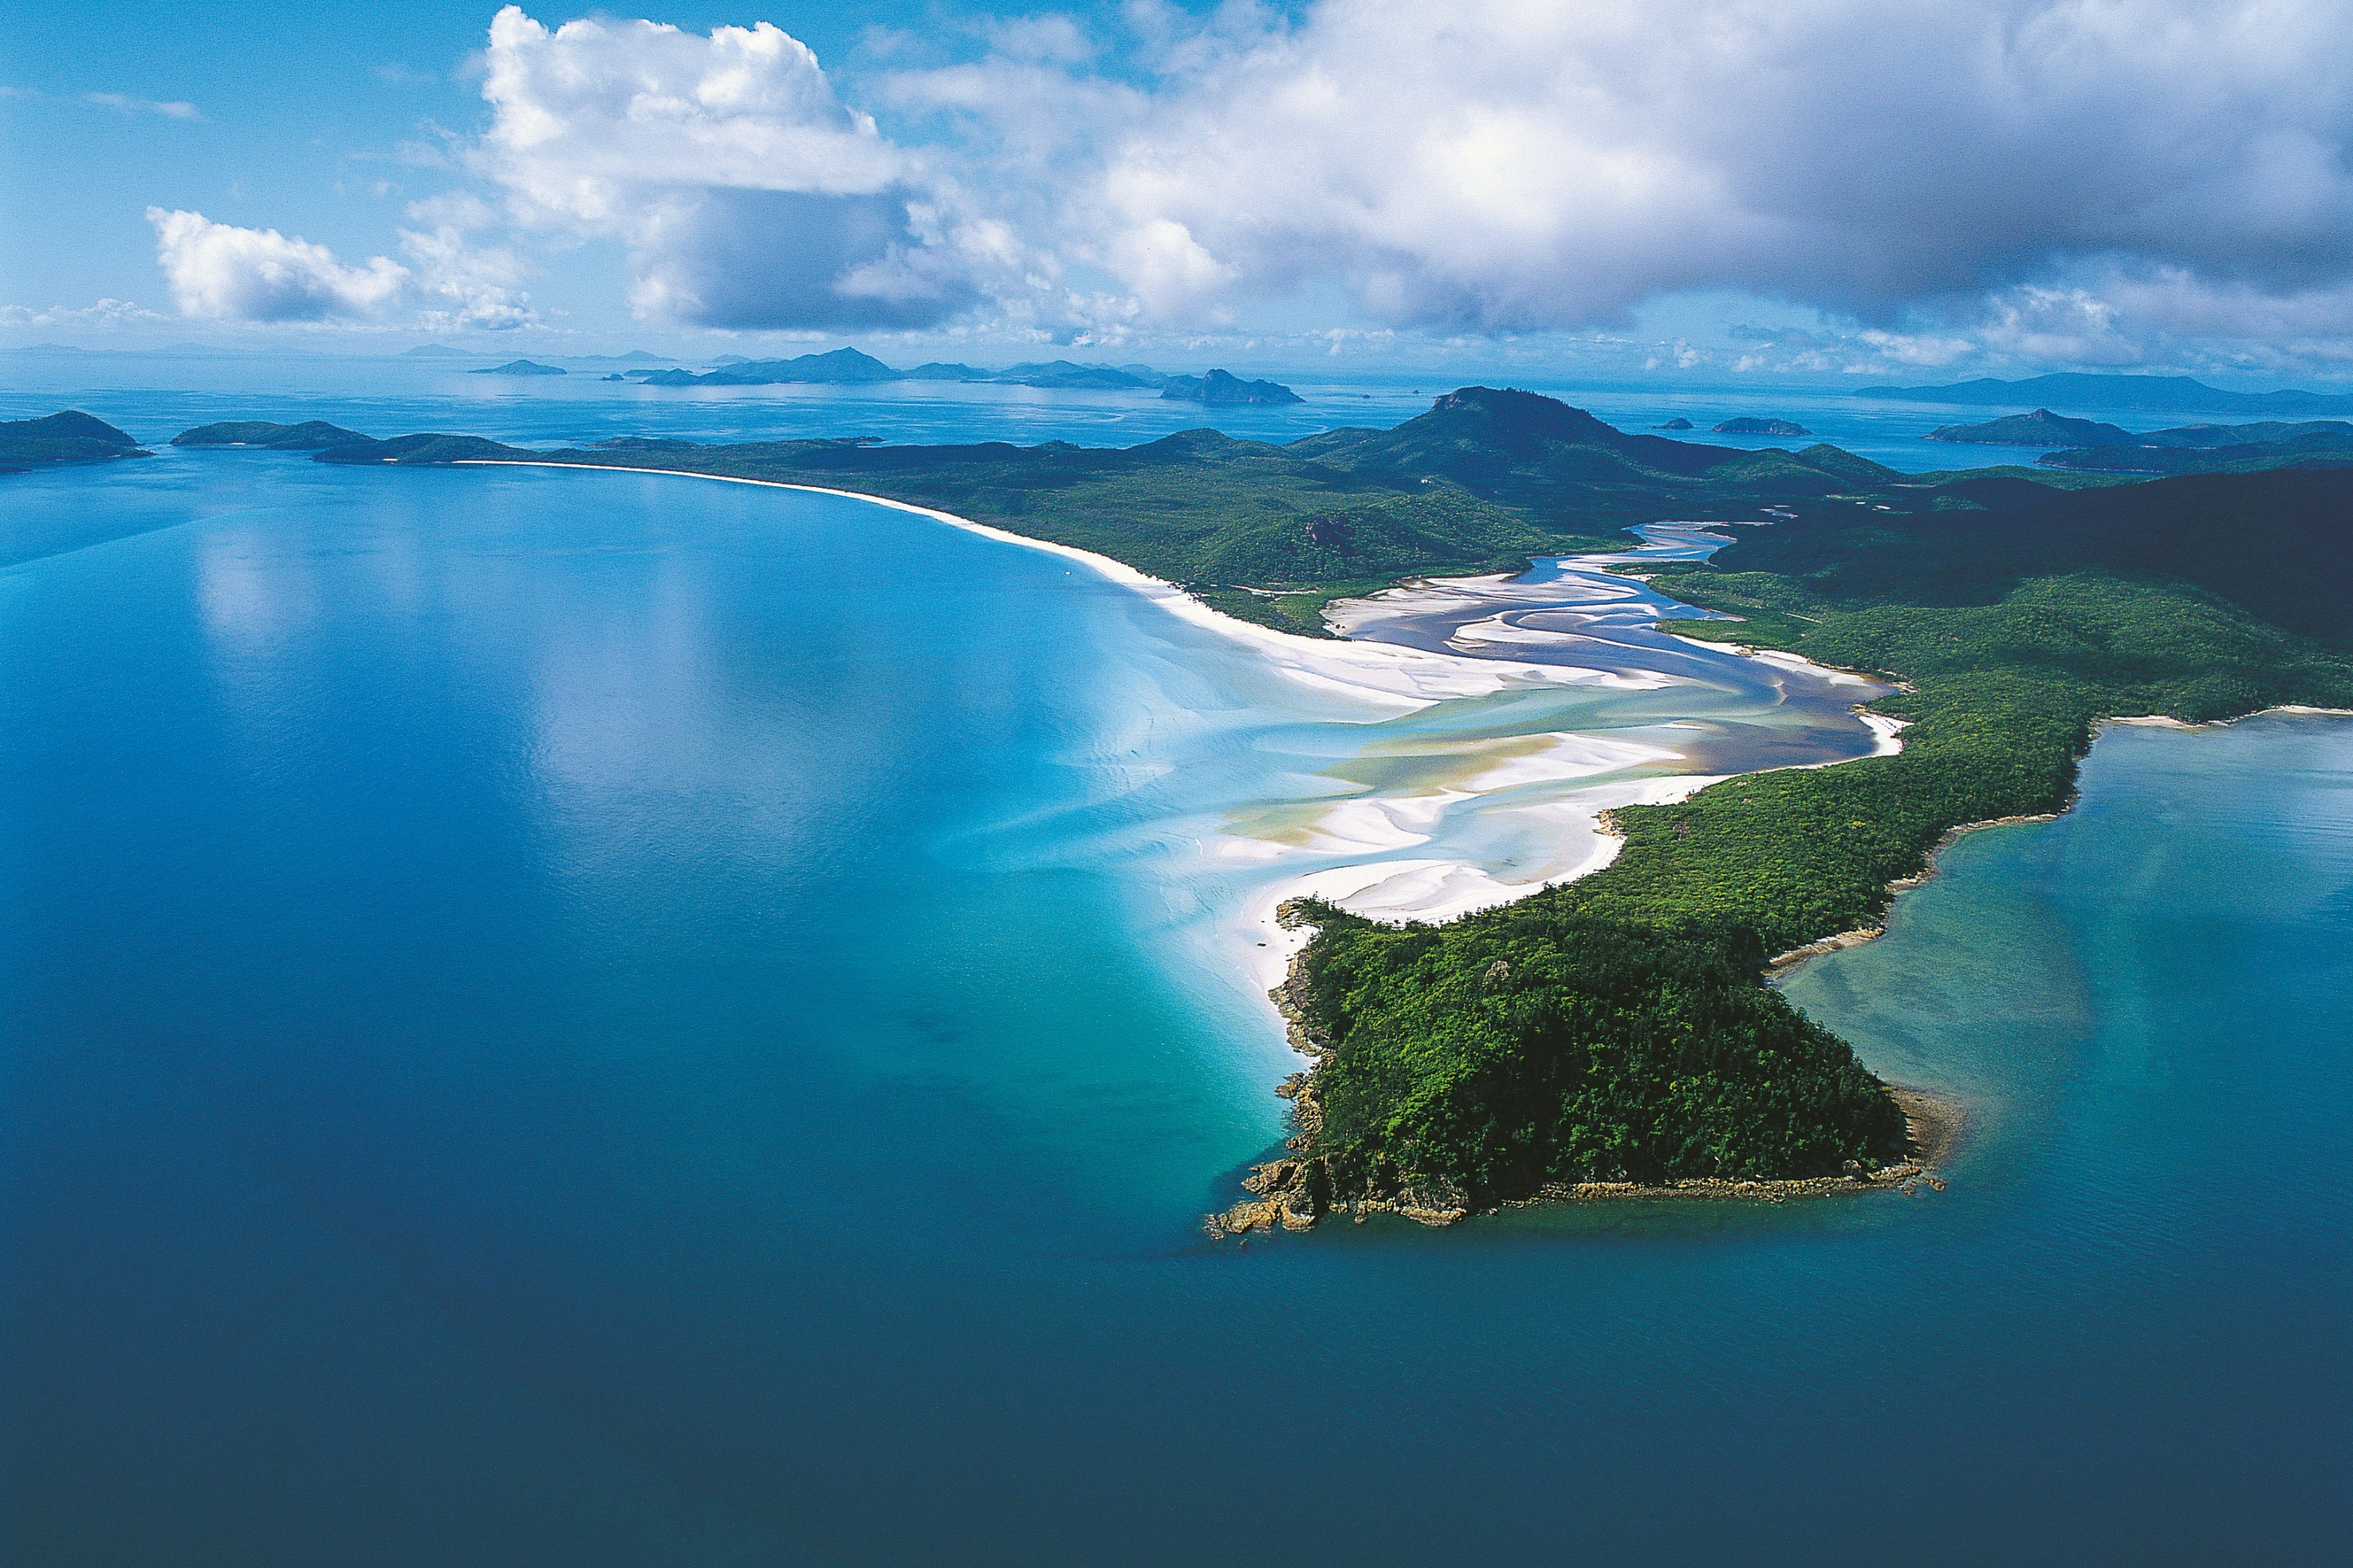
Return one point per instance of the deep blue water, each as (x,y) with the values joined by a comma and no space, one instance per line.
(582,1019)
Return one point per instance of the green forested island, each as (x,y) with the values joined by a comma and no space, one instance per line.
(69,436)
(1219,387)
(1618,1028)
(2079,390)
(2039,429)
(310,436)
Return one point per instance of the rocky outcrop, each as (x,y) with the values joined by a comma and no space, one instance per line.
(1294,1193)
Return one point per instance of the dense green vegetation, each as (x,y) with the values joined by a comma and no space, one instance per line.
(1619,1026)
(2279,544)
(1538,1044)
(1220,387)
(311,435)
(2039,429)
(1609,1039)
(69,436)
(2324,444)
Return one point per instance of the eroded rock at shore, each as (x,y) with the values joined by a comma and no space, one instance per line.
(1295,1192)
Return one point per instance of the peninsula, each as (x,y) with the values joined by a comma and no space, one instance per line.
(1617,1033)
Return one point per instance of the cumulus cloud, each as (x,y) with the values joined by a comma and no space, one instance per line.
(220,270)
(747,193)
(227,274)
(1501,163)
(2096,182)
(460,283)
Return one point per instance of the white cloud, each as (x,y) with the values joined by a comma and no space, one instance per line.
(1509,164)
(122,105)
(2096,182)
(479,285)
(104,314)
(748,194)
(260,275)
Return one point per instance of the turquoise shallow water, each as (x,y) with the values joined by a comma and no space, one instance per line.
(596,1018)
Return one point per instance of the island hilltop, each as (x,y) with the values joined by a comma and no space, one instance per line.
(1615,1033)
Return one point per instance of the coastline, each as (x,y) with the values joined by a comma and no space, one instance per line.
(1782,965)
(1404,680)
(1293,1193)
(1385,675)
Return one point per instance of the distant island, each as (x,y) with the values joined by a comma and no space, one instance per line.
(1615,1036)
(2087,446)
(521,367)
(1677,423)
(1218,387)
(849,367)
(70,437)
(634,356)
(1752,427)
(2155,393)
(2041,428)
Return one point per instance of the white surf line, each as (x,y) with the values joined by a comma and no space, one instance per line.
(1379,674)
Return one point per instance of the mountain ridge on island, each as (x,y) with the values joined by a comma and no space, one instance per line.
(852,367)
(55,439)
(2154,394)
(2039,429)
(311,435)
(1217,387)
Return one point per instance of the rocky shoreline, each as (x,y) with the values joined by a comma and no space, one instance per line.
(1297,1191)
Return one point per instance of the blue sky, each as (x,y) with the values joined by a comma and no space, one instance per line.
(1826,188)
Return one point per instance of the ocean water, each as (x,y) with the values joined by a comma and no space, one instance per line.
(581,1019)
